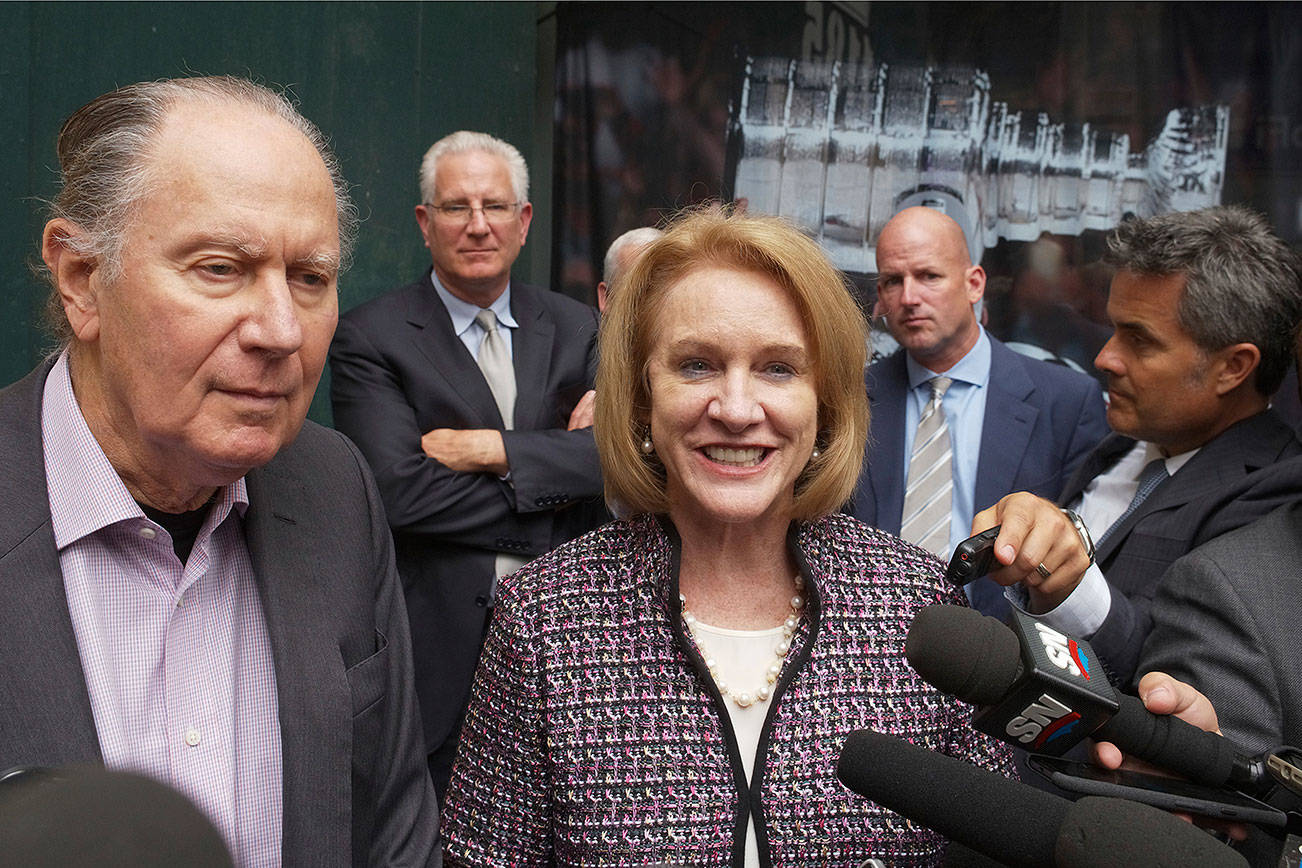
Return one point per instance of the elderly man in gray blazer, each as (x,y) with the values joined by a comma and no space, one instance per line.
(198,585)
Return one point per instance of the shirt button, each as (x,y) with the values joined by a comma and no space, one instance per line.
(147,532)
(192,737)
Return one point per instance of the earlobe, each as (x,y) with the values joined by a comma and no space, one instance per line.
(76,277)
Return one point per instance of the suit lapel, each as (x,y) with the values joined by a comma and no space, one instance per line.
(1006,430)
(449,359)
(1246,446)
(314,711)
(531,349)
(888,388)
(1105,455)
(45,713)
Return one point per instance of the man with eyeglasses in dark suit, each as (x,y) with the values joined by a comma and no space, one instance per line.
(470,396)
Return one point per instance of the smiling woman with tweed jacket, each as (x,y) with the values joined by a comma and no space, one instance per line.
(675,688)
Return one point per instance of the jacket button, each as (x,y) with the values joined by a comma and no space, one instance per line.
(481,601)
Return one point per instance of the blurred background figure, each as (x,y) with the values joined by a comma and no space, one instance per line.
(622,253)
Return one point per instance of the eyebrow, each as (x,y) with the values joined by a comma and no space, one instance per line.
(1135,327)
(256,249)
(319,259)
(688,345)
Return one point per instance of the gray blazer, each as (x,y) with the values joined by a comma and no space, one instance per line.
(356,790)
(1225,620)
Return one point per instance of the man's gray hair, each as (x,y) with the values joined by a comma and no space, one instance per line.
(1242,283)
(632,238)
(105,170)
(464,142)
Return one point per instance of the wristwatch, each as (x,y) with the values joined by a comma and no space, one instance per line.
(1082,531)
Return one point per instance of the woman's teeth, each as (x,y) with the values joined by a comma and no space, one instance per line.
(734,457)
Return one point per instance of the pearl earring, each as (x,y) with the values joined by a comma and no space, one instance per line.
(647,446)
(817,452)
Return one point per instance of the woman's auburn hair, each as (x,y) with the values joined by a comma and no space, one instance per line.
(835,329)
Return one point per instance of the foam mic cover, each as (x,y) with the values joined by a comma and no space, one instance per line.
(964,653)
(975,807)
(1104,833)
(1015,824)
(1051,707)
(82,817)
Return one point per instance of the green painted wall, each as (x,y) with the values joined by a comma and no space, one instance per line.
(383,80)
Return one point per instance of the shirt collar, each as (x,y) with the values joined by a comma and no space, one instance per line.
(1174,463)
(973,368)
(463,313)
(86,494)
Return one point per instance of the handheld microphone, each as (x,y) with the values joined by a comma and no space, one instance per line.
(1014,823)
(1045,692)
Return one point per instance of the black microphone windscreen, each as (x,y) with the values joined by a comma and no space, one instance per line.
(1000,818)
(82,817)
(963,653)
(1104,833)
(1168,742)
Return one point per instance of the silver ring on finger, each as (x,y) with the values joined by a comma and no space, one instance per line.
(1043,571)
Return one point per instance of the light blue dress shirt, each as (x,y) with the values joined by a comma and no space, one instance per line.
(463,315)
(964,406)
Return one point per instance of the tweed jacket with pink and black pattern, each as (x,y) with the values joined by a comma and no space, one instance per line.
(595,735)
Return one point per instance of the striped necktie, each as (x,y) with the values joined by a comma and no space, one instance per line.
(930,489)
(1153,475)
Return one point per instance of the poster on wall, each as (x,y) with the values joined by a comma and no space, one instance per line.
(839,148)
(1038,126)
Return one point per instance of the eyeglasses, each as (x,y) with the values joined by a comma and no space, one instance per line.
(495,213)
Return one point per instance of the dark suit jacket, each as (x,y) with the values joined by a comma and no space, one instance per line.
(1232,481)
(356,789)
(1041,420)
(399,370)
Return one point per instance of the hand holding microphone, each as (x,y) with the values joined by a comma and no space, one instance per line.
(1042,691)
(1164,695)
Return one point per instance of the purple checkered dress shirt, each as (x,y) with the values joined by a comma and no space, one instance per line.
(177,658)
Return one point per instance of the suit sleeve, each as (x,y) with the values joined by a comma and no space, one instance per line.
(420,495)
(1206,634)
(553,467)
(1119,640)
(406,824)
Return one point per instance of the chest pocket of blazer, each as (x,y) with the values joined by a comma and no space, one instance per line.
(368,679)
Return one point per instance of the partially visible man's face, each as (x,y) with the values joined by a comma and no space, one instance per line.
(200,360)
(624,261)
(473,260)
(1161,385)
(926,287)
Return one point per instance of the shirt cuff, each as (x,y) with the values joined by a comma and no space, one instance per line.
(1081,614)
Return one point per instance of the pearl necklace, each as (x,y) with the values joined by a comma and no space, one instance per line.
(746,698)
